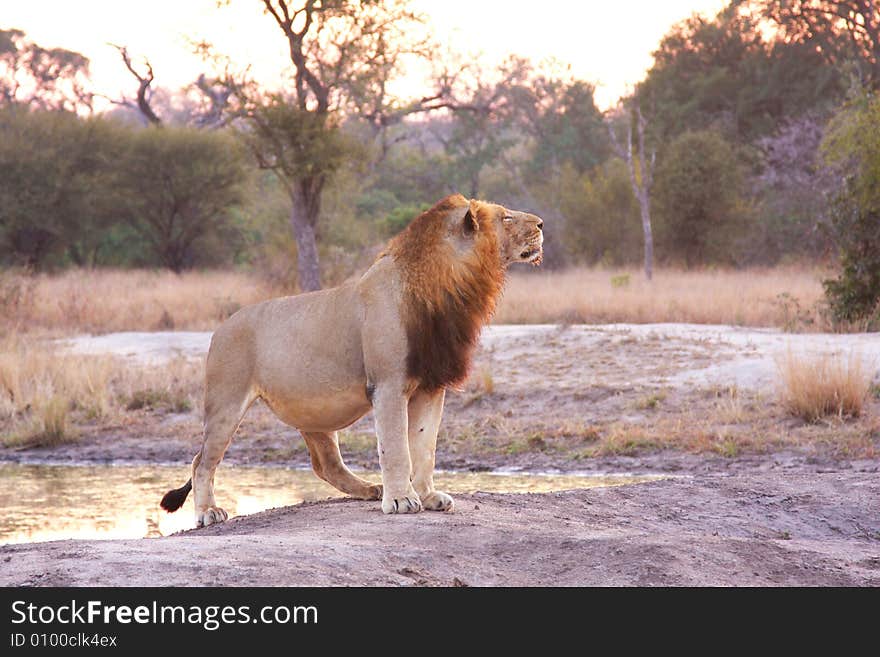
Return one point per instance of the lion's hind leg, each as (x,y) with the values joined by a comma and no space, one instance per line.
(222,417)
(328,465)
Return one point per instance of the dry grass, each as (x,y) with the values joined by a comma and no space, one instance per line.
(785,297)
(31,372)
(101,301)
(45,392)
(725,421)
(49,424)
(486,380)
(820,385)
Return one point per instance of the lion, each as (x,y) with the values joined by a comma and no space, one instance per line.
(392,341)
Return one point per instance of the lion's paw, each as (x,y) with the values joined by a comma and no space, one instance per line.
(408,504)
(374,492)
(210,516)
(438,501)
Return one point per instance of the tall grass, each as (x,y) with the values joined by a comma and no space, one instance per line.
(97,301)
(44,390)
(784,297)
(107,300)
(50,424)
(816,386)
(32,371)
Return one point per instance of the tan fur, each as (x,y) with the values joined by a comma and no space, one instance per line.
(322,360)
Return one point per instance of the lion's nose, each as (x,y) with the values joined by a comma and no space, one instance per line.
(540,224)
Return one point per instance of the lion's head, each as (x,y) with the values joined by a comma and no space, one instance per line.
(520,234)
(453,259)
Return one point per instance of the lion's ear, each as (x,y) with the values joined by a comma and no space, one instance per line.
(471,224)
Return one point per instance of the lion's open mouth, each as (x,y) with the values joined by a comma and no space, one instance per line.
(532,255)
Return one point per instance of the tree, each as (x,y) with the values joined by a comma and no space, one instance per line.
(477,131)
(42,78)
(724,74)
(601,214)
(203,104)
(57,195)
(343,53)
(852,147)
(561,118)
(792,187)
(145,90)
(303,149)
(471,141)
(840,31)
(698,196)
(181,186)
(641,175)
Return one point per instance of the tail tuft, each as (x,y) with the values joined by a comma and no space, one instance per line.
(174,499)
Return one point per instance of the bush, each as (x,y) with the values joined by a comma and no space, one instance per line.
(854,296)
(94,192)
(852,147)
(699,206)
(602,223)
(57,197)
(181,188)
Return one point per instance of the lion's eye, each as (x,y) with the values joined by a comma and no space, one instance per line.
(508,219)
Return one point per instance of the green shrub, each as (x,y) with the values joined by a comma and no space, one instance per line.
(852,147)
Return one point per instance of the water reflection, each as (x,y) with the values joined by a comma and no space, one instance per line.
(47,502)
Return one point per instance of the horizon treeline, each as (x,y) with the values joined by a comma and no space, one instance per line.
(733,124)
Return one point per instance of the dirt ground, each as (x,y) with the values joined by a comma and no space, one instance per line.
(756,528)
(756,497)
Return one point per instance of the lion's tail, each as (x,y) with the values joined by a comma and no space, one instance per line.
(174,499)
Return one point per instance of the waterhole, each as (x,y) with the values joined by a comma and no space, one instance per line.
(53,502)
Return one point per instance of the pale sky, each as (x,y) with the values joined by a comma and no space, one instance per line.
(599,43)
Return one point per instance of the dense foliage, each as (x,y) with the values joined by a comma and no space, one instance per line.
(92,192)
(852,147)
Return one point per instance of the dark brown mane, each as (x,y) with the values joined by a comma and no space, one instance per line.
(450,293)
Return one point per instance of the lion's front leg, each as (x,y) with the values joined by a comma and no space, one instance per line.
(390,409)
(425,412)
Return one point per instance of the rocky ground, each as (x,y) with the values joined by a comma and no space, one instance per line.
(755,528)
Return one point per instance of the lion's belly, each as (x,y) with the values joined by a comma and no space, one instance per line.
(314,391)
(309,360)
(330,410)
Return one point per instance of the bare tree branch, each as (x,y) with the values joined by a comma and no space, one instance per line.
(304,74)
(218,95)
(144,92)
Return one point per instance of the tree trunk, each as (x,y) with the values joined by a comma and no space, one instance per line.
(641,184)
(303,227)
(76,255)
(644,206)
(173,260)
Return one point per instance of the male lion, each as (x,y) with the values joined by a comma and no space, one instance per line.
(393,341)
